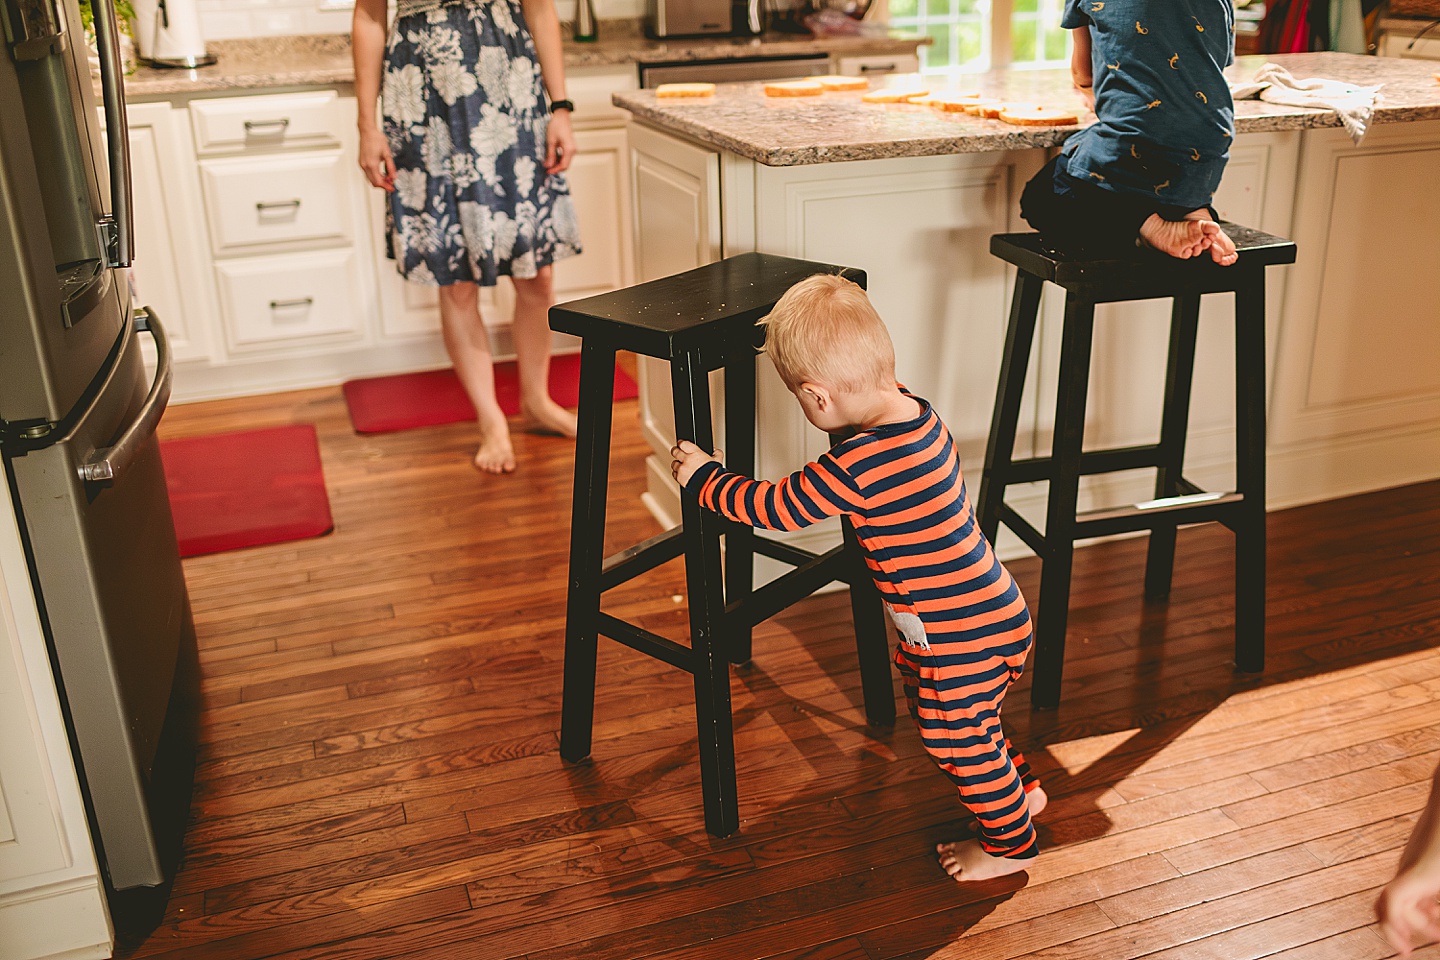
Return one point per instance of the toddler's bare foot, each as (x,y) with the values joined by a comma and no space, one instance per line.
(1182,239)
(1222,248)
(495,454)
(547,416)
(967,862)
(1038,800)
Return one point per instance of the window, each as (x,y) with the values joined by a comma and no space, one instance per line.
(973,35)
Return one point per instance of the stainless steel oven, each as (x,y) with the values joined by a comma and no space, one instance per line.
(734,70)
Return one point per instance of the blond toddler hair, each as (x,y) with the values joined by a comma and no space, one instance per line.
(825,329)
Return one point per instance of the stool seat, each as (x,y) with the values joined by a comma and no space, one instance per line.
(1139,275)
(718,303)
(1128,277)
(700,320)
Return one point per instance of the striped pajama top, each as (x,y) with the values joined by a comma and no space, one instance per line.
(901,486)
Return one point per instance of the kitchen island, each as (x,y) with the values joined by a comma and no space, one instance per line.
(912,195)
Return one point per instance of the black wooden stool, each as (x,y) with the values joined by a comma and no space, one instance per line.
(701,320)
(1141,276)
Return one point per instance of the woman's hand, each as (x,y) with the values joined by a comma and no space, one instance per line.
(686,458)
(376,161)
(559,142)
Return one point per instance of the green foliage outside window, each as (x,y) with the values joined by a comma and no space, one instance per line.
(961,32)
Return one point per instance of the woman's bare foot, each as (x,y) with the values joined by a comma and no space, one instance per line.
(547,416)
(967,862)
(495,455)
(1182,239)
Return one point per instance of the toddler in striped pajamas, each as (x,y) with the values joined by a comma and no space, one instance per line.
(963,625)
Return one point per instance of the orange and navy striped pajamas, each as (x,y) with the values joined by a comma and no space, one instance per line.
(965,630)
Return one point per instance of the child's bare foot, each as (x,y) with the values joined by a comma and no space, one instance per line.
(1038,800)
(495,455)
(547,416)
(1182,239)
(967,862)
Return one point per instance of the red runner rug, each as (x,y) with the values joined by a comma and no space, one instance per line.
(234,490)
(433,397)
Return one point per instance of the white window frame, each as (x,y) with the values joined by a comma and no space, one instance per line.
(1000,19)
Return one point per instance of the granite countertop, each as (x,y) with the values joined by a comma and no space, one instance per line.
(275,62)
(784,132)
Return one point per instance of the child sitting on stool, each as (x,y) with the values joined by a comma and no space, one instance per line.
(964,628)
(1144,173)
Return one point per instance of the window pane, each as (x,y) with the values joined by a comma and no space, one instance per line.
(972,45)
(969,6)
(1026,6)
(1057,43)
(937,9)
(938,54)
(903,10)
(1022,45)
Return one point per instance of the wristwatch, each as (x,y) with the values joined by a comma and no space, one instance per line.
(562,105)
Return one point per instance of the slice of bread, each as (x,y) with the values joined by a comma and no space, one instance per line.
(990,109)
(953,102)
(1038,115)
(835,82)
(685,90)
(893,95)
(793,88)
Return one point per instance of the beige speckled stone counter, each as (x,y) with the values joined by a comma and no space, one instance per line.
(838,126)
(278,62)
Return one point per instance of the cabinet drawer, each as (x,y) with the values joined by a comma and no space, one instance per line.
(275,301)
(287,119)
(275,199)
(872,66)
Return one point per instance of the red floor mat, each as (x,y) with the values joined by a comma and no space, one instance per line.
(233,490)
(433,397)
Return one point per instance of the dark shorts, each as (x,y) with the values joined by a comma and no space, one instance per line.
(1078,217)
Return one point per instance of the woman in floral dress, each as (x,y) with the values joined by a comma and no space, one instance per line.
(475,143)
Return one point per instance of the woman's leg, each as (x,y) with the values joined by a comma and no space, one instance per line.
(469,349)
(531,331)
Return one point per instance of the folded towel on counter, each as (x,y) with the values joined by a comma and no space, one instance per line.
(1274,84)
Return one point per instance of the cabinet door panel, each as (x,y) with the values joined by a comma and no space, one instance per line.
(601,193)
(276,199)
(282,120)
(276,301)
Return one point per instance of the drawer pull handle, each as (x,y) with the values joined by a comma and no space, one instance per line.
(267,205)
(297,302)
(877,68)
(267,126)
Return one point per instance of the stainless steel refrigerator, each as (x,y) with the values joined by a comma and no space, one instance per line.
(78,411)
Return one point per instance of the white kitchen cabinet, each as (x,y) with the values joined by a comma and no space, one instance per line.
(874,66)
(278,198)
(1351,333)
(305,297)
(293,120)
(52,902)
(168,272)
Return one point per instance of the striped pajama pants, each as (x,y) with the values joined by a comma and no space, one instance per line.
(957,708)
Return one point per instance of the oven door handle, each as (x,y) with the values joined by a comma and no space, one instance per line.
(118,227)
(111,462)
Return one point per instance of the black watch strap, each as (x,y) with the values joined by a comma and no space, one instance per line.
(562,105)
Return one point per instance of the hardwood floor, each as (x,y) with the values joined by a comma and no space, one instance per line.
(379,774)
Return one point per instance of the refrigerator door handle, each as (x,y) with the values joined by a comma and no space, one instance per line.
(117,227)
(109,463)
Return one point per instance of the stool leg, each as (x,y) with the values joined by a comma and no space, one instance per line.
(1174,423)
(740,457)
(1054,604)
(691,386)
(1250,472)
(872,636)
(1019,336)
(587,547)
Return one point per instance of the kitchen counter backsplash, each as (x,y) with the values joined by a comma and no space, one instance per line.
(324,59)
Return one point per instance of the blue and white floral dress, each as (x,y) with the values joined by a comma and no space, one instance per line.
(465,114)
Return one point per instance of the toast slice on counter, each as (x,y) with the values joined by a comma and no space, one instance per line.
(834,82)
(1038,115)
(793,88)
(895,95)
(685,90)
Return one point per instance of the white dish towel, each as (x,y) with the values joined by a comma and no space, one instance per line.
(1274,84)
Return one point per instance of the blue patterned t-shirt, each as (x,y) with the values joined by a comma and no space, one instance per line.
(1165,117)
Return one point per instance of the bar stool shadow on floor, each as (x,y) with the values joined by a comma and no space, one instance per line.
(701,320)
(1141,276)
